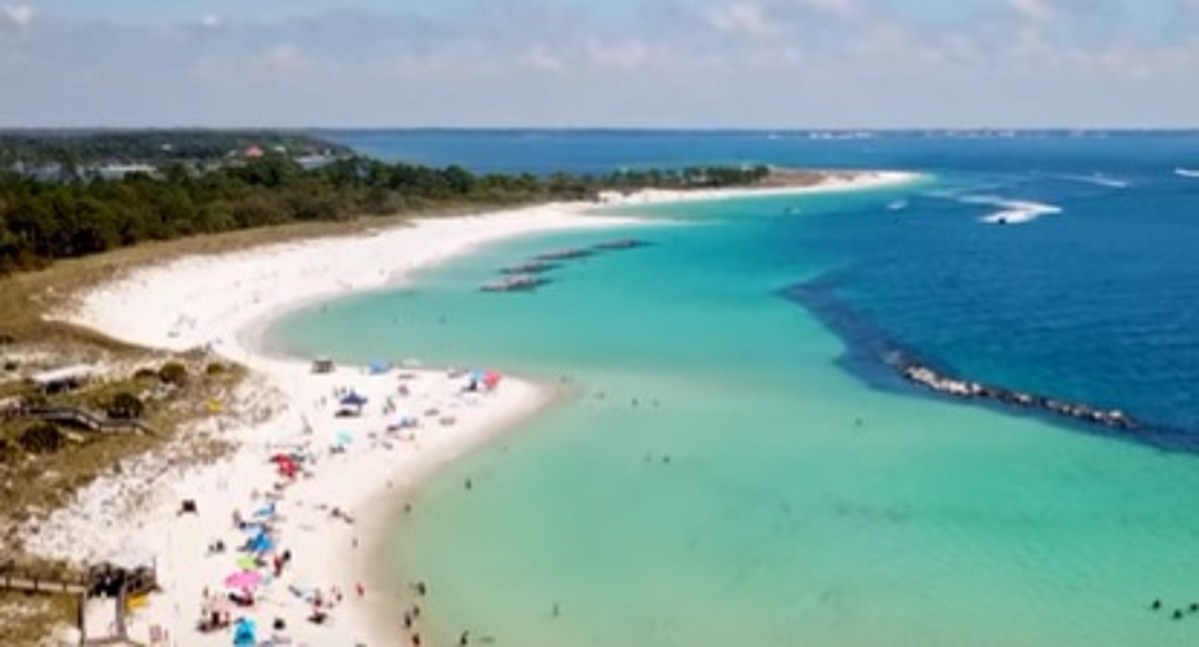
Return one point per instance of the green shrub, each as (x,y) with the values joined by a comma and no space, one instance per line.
(42,438)
(34,399)
(215,368)
(125,406)
(173,373)
(9,451)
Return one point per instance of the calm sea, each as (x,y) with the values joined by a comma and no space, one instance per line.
(740,467)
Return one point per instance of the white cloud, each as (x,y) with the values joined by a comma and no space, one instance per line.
(841,8)
(20,15)
(741,18)
(281,59)
(539,57)
(624,54)
(1038,11)
(212,21)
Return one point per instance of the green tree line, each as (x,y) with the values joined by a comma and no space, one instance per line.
(43,221)
(75,149)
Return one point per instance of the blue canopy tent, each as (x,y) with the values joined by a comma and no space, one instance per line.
(261,543)
(354,400)
(244,633)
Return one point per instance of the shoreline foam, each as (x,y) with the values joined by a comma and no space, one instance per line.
(223,303)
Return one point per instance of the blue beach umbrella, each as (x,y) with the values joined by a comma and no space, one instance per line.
(378,366)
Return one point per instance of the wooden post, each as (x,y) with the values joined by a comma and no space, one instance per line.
(122,631)
(83,618)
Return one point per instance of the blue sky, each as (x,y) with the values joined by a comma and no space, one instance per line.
(673,63)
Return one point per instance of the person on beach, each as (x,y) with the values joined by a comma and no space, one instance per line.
(464,639)
(359,589)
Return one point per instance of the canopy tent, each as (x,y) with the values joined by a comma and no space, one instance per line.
(353,399)
(244,633)
(261,543)
(322,364)
(243,580)
(265,512)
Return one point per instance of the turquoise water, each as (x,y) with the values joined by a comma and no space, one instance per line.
(807,499)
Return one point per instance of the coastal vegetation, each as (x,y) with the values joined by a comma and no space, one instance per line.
(45,220)
(75,150)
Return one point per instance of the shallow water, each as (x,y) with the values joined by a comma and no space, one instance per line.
(809,497)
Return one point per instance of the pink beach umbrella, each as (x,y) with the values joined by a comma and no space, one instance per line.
(244,580)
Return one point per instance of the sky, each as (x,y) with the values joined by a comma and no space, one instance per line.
(600,63)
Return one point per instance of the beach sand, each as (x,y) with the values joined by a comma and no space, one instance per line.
(354,464)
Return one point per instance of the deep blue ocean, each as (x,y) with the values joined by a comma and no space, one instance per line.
(1094,304)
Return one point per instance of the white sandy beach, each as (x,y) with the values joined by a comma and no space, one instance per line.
(354,464)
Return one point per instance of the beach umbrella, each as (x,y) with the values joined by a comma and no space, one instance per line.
(477,376)
(491,379)
(378,366)
(345,438)
(247,563)
(243,580)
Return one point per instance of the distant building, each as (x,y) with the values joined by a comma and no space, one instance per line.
(118,171)
(253,152)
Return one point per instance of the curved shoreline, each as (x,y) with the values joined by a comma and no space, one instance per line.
(225,303)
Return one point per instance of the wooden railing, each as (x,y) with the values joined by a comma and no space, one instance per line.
(41,580)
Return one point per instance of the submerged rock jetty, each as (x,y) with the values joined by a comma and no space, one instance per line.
(532,267)
(565,254)
(529,275)
(929,378)
(516,283)
(621,243)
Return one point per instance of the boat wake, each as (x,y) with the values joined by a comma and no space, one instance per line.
(1187,173)
(1011,212)
(1097,179)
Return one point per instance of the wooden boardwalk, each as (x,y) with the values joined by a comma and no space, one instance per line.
(42,580)
(81,419)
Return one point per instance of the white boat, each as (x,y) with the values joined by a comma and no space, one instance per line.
(1186,172)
